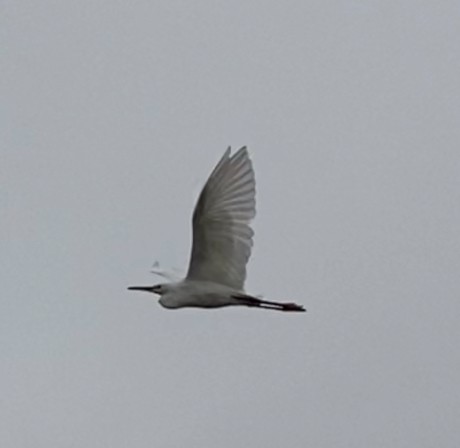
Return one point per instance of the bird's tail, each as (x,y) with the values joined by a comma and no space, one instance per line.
(247,300)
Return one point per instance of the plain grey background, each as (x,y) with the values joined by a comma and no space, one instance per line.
(113,115)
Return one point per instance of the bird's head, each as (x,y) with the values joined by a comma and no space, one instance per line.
(156,289)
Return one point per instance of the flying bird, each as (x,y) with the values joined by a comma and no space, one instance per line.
(222,243)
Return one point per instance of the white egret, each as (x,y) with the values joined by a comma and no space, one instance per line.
(222,242)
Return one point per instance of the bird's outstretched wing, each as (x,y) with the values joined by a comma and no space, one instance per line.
(222,237)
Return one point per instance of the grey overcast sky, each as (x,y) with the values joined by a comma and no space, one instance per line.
(113,115)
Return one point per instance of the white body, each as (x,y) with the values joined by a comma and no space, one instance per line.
(196,293)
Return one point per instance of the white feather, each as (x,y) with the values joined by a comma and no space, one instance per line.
(222,236)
